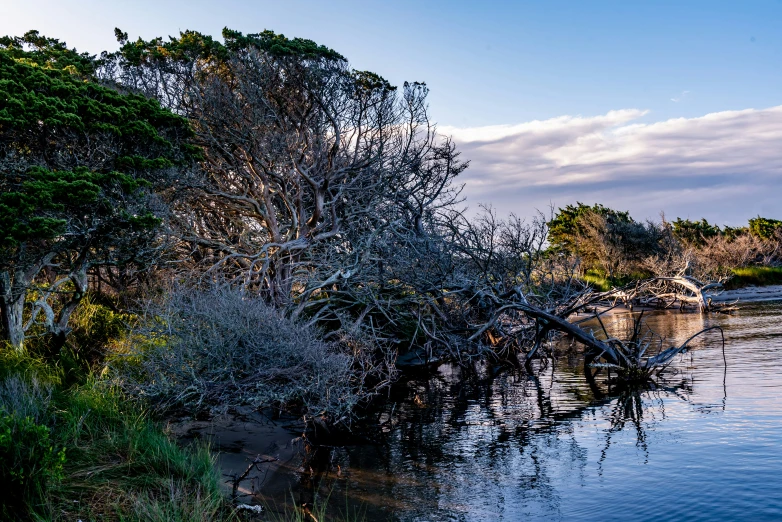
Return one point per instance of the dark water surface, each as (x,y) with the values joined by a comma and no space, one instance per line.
(706,445)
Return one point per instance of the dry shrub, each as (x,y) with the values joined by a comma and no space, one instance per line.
(745,250)
(219,348)
(717,257)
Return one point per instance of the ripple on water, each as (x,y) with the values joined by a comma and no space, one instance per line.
(707,445)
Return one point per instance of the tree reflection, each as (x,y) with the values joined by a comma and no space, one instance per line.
(493,442)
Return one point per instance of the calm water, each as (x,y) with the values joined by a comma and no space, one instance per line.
(495,445)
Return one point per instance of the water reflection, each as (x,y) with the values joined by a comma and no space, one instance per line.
(489,444)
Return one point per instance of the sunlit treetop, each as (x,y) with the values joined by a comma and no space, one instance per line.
(192,45)
(566,225)
(49,53)
(765,228)
(71,148)
(278,45)
(694,232)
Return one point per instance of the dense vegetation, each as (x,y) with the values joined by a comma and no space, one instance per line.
(192,225)
(613,249)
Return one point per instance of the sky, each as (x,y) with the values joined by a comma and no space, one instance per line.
(646,106)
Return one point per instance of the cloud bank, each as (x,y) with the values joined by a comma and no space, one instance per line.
(725,166)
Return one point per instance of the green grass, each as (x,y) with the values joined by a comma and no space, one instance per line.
(119,464)
(752,275)
(122,465)
(755,275)
(599,281)
(596,281)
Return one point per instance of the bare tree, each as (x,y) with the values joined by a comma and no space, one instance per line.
(306,162)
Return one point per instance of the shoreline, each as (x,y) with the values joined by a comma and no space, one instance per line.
(747,294)
(750,294)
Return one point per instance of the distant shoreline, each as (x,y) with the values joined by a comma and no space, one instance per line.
(746,294)
(751,293)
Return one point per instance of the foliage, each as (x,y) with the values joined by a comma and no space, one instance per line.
(48,53)
(30,462)
(731,233)
(605,240)
(694,232)
(765,228)
(567,225)
(77,162)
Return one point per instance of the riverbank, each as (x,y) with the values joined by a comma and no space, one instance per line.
(82,451)
(746,294)
(750,294)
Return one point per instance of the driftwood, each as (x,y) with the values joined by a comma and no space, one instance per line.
(666,292)
(685,289)
(235,480)
(634,358)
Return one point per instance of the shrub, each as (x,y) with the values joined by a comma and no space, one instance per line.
(220,348)
(29,460)
(765,228)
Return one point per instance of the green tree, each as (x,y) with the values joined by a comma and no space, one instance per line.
(568,225)
(765,228)
(605,239)
(78,164)
(694,232)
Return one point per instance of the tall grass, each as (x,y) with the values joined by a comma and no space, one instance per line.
(118,464)
(755,275)
(598,280)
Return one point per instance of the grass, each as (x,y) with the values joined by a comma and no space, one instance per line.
(119,464)
(747,276)
(599,281)
(755,275)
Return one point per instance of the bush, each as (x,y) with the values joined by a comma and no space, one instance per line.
(755,275)
(220,348)
(29,460)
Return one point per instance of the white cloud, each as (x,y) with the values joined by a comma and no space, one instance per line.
(725,166)
(681,96)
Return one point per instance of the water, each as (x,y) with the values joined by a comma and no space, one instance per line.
(501,445)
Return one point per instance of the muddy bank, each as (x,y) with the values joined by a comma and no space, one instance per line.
(241,438)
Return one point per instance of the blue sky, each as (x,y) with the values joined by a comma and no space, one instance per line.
(510,63)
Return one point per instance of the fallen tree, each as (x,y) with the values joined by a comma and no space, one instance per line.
(668,292)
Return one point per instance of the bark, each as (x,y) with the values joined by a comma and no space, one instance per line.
(698,289)
(11,312)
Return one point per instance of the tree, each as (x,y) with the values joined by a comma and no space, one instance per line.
(567,225)
(310,169)
(765,228)
(695,233)
(328,192)
(78,162)
(603,238)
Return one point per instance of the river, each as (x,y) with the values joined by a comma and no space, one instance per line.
(494,444)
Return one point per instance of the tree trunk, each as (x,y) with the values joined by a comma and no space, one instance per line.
(11,313)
